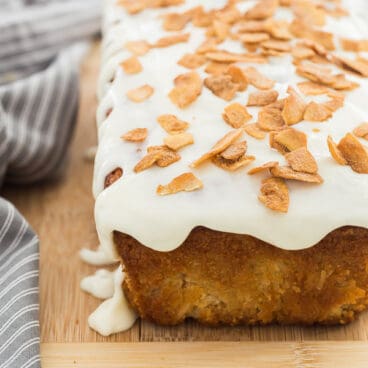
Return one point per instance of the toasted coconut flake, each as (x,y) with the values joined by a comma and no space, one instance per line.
(312,89)
(222,86)
(147,161)
(251,47)
(335,102)
(337,12)
(166,155)
(165,3)
(309,12)
(341,83)
(187,89)
(248,26)
(361,131)
(196,11)
(177,141)
(323,75)
(232,165)
(354,45)
(216,68)
(302,160)
(175,21)
(136,6)
(136,135)
(113,177)
(264,167)
(356,66)
(316,59)
(132,7)
(270,118)
(282,46)
(229,13)
(288,140)
(258,80)
(234,151)
(270,52)
(287,172)
(262,98)
(172,40)
(208,45)
(262,10)
(279,104)
(315,73)
(132,65)
(231,57)
(138,48)
(238,77)
(317,112)
(335,152)
(279,29)
(354,153)
(294,108)
(140,94)
(220,30)
(254,37)
(236,115)
(320,49)
(220,146)
(301,29)
(186,182)
(302,52)
(172,124)
(192,61)
(254,131)
(275,194)
(202,19)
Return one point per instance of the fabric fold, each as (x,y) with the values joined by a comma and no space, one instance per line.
(19,326)
(38,113)
(41,45)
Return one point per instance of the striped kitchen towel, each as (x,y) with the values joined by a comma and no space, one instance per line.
(41,44)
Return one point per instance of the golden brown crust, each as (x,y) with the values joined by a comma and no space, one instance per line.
(114,175)
(222,278)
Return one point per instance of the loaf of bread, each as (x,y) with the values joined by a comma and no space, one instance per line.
(231,178)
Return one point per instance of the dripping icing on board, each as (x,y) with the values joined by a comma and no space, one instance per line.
(99,257)
(100,284)
(114,314)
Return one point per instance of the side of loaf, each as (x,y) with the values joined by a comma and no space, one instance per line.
(222,278)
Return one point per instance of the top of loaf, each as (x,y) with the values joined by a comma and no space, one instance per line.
(195,97)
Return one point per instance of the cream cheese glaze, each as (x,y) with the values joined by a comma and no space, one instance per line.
(98,257)
(100,284)
(114,314)
(228,201)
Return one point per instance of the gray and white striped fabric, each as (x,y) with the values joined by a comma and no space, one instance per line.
(41,44)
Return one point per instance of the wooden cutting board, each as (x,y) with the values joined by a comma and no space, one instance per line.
(61,212)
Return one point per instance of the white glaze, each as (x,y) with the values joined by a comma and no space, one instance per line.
(100,284)
(114,314)
(99,257)
(228,201)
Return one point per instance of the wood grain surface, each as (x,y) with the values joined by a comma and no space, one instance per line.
(61,212)
(205,355)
